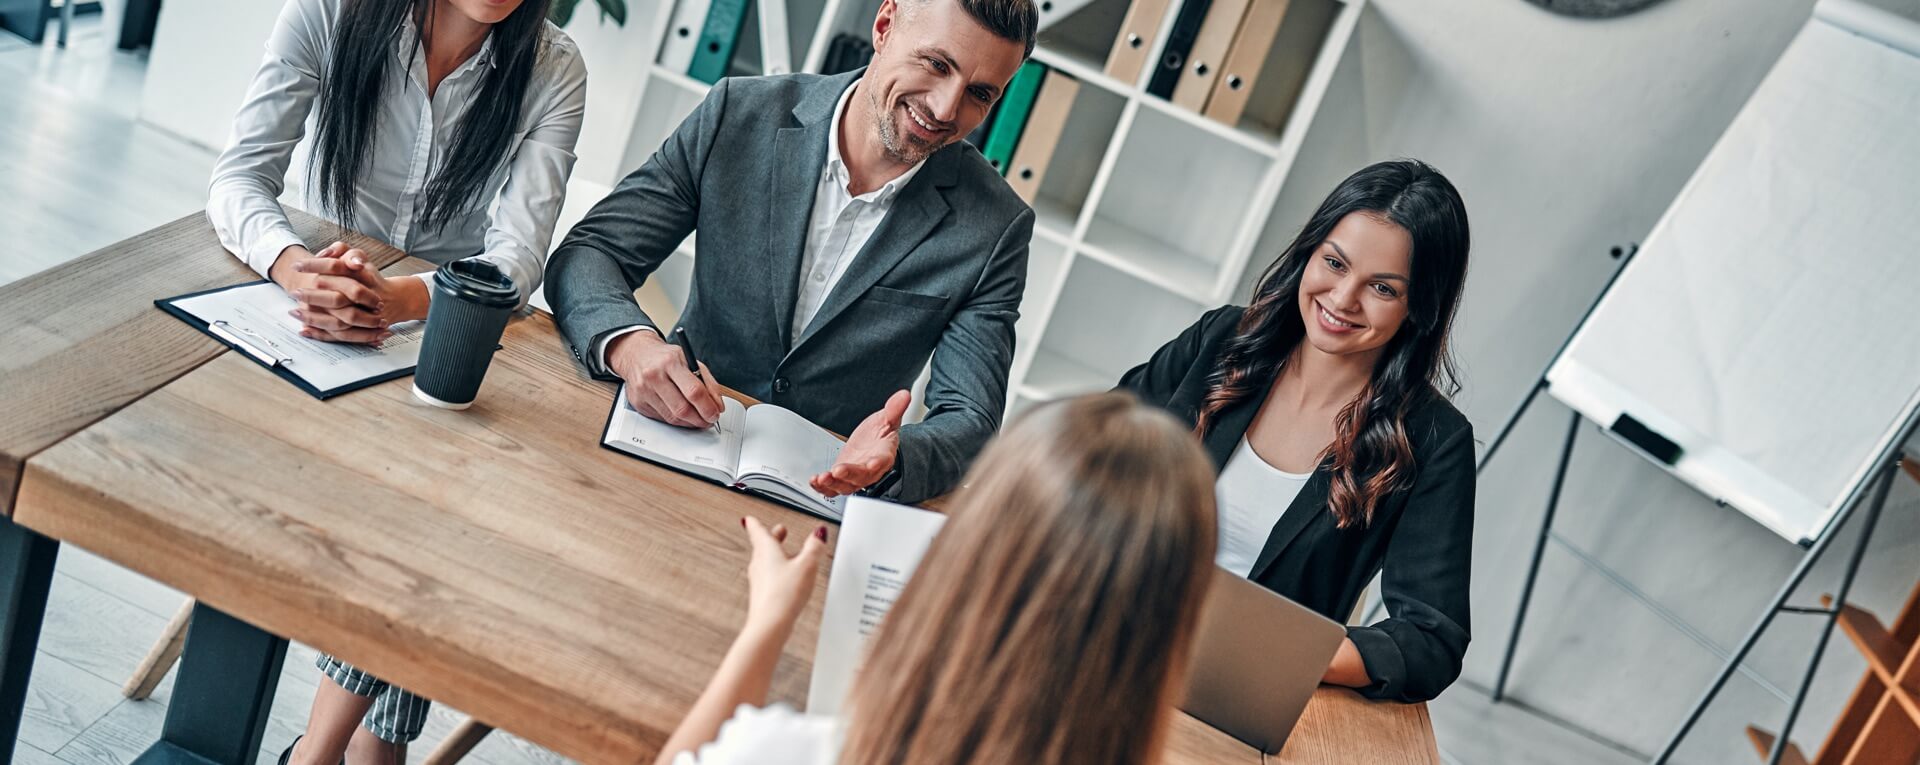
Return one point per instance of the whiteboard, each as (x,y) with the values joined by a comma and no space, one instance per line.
(1770,325)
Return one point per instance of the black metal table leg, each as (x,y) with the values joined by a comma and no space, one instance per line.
(221,699)
(26,572)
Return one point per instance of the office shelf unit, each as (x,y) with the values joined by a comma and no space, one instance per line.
(1149,214)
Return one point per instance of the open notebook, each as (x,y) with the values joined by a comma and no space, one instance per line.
(764,449)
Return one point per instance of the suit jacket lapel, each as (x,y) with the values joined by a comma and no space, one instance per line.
(920,207)
(1307,505)
(1229,429)
(800,152)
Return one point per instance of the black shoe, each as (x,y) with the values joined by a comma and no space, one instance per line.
(287,756)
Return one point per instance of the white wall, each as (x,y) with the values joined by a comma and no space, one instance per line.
(204,54)
(1566,137)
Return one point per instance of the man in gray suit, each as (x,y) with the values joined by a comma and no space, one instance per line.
(847,233)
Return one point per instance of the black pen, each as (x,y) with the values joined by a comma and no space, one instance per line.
(685,341)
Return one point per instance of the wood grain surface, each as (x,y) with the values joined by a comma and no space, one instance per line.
(83,339)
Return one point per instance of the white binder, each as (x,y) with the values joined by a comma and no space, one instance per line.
(683,35)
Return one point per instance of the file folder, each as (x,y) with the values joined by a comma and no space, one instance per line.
(1244,60)
(718,36)
(1014,105)
(1173,58)
(683,34)
(1131,46)
(1045,122)
(1209,54)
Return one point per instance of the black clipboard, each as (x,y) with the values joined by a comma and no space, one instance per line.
(167,304)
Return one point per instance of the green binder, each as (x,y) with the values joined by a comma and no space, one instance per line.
(725,19)
(1011,116)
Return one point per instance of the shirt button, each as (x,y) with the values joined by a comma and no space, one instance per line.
(819,276)
(782,385)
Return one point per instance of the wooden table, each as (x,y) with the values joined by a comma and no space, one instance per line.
(495,559)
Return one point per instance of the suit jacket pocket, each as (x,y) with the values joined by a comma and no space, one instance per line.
(893,296)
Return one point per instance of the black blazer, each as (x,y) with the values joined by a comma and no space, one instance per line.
(1423,536)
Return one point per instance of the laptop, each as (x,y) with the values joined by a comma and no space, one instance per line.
(1257,658)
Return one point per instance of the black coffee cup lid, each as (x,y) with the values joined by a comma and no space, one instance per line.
(478,281)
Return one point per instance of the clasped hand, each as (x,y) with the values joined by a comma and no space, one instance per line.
(342,298)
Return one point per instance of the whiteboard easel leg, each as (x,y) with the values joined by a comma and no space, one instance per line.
(1539,550)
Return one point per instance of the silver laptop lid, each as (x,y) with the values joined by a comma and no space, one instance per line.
(1257,658)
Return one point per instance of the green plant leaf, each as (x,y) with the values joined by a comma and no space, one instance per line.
(615,9)
(561,12)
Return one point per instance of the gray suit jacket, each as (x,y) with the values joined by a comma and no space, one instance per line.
(942,276)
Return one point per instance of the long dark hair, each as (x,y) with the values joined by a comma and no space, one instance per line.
(1372,457)
(355,81)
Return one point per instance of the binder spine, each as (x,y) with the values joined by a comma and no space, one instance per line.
(1012,117)
(1173,58)
(718,37)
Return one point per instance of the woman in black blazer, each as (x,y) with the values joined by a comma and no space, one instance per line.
(1331,387)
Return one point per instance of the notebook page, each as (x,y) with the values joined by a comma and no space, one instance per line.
(785,447)
(712,452)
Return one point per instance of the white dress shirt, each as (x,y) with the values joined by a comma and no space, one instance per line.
(1250,497)
(773,734)
(837,230)
(416,130)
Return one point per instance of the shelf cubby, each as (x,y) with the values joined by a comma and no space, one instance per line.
(668,99)
(1103,323)
(1172,208)
(1070,173)
(1046,270)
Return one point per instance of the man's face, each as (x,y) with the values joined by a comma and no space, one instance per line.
(935,74)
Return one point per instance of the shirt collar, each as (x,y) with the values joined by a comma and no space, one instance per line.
(837,167)
(405,49)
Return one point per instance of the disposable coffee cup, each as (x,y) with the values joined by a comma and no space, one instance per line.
(472,300)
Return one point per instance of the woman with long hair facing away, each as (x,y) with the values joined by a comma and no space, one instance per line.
(1324,406)
(1047,625)
(445,128)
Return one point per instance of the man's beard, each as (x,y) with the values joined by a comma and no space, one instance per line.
(903,149)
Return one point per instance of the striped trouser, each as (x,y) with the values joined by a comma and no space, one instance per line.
(396,715)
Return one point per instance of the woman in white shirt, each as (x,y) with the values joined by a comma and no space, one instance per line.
(444,128)
(1046,624)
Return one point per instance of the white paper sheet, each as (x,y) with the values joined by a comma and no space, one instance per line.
(1767,324)
(881,543)
(256,316)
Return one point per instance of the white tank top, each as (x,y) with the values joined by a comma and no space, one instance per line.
(1251,495)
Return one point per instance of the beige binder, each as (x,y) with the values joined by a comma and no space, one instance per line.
(1135,41)
(1244,60)
(1209,53)
(1042,134)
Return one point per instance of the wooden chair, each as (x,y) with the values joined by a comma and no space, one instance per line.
(1880,724)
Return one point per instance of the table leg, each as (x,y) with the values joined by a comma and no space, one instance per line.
(223,694)
(26,571)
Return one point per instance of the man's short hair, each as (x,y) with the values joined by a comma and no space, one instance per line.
(1016,20)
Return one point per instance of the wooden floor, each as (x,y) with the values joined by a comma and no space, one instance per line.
(78,172)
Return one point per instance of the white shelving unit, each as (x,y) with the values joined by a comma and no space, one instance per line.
(1149,214)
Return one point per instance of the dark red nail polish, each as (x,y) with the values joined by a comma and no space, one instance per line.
(743,521)
(820,533)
